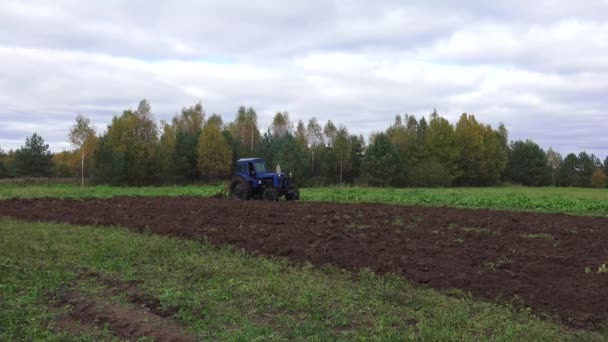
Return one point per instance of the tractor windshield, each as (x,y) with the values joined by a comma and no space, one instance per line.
(260,167)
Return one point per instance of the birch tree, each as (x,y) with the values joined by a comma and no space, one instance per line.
(80,133)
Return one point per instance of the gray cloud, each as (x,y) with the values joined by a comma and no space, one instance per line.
(539,66)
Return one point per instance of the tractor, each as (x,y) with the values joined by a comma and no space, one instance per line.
(253,181)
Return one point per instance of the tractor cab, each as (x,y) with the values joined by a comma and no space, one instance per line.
(254,181)
(250,168)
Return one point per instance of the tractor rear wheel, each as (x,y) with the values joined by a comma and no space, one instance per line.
(270,194)
(240,188)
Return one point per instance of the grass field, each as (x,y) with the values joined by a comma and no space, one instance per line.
(219,293)
(577,201)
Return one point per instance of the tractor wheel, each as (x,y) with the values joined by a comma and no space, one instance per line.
(240,188)
(270,194)
(294,196)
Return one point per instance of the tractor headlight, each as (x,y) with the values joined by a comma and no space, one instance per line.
(290,175)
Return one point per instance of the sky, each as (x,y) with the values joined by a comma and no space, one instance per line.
(541,67)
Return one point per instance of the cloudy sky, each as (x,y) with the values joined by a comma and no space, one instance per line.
(539,66)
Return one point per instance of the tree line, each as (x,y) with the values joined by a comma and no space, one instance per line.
(135,150)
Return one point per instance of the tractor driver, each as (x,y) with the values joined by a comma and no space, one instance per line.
(251,170)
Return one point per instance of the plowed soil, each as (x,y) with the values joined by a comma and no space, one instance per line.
(547,262)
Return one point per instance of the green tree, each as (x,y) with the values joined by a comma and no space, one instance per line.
(187,127)
(235,145)
(292,156)
(554,160)
(34,158)
(131,143)
(214,153)
(215,119)
(63,164)
(405,138)
(569,171)
(329,169)
(429,172)
(244,130)
(109,162)
(528,164)
(80,135)
(606,165)
(316,144)
(482,154)
(7,161)
(300,134)
(495,152)
(382,164)
(330,130)
(587,164)
(421,151)
(357,144)
(3,164)
(281,125)
(441,145)
(343,151)
(168,151)
(301,153)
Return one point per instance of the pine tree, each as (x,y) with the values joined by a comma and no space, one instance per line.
(587,164)
(528,164)
(381,164)
(291,155)
(34,158)
(568,172)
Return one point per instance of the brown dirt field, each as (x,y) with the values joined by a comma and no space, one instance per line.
(538,260)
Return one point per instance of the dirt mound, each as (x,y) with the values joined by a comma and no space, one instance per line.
(548,262)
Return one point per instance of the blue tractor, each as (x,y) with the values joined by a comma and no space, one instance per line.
(253,181)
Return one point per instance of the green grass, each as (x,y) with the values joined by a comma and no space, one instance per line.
(577,201)
(102,191)
(225,294)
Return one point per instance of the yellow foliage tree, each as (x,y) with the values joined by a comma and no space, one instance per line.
(214,153)
(599,179)
(66,164)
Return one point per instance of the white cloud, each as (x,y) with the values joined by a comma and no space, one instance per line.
(566,45)
(540,67)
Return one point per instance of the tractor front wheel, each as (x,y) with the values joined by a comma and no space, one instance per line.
(293,195)
(270,194)
(240,188)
